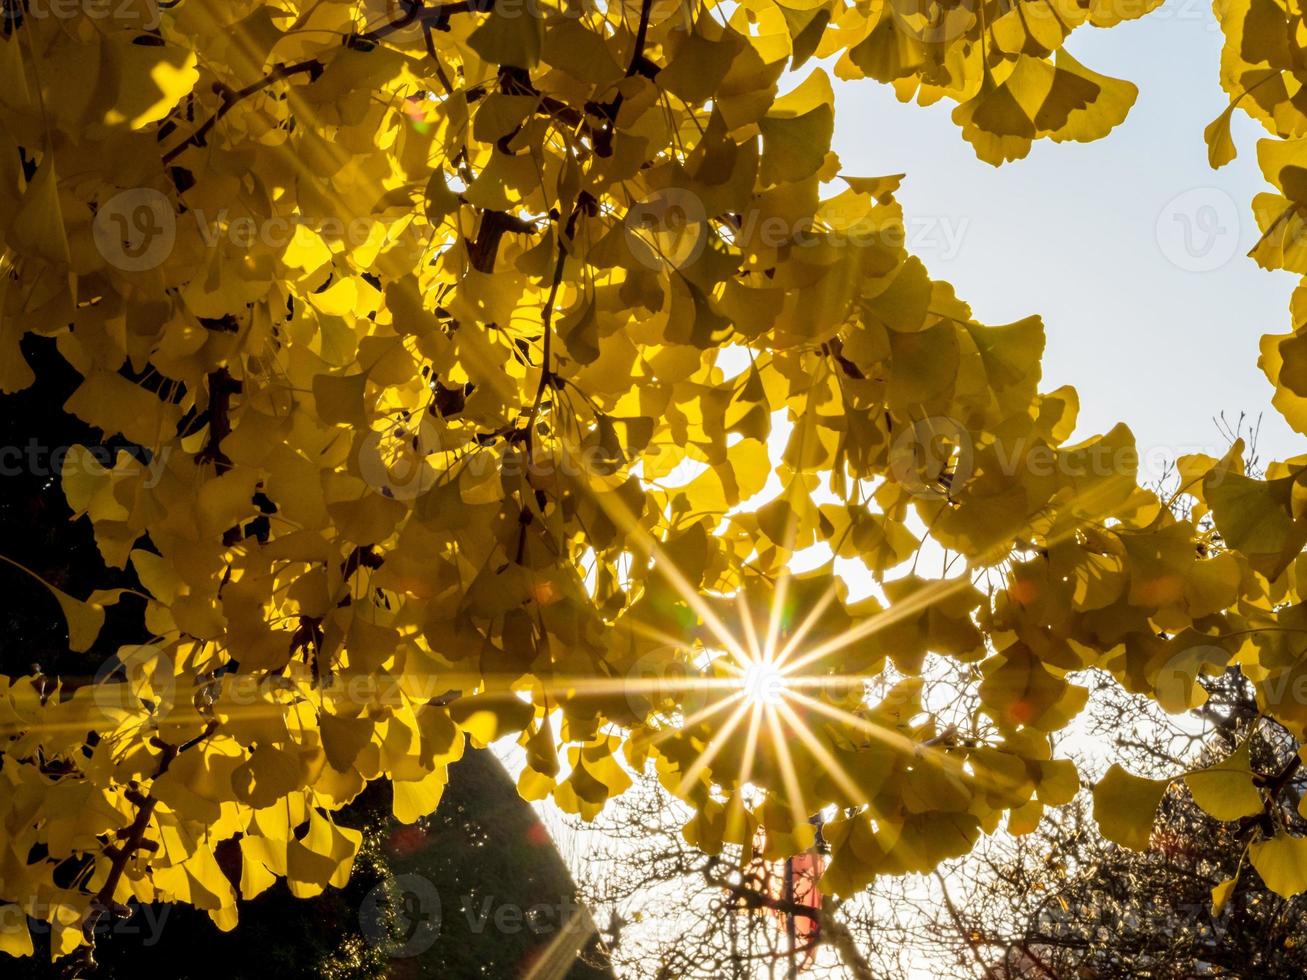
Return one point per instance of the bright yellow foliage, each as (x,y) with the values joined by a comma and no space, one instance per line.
(456,338)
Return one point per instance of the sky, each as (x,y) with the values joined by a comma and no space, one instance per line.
(1152,328)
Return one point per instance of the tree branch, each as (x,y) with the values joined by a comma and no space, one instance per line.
(221,387)
(429,18)
(133,836)
(230,99)
(481,253)
(584,203)
(831,930)
(638,65)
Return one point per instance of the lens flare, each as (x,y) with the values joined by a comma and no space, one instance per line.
(763,683)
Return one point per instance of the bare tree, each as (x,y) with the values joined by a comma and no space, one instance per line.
(1060,902)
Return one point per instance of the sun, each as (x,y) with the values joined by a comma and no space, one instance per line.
(764,683)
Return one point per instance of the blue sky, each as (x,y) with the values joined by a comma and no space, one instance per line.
(1152,327)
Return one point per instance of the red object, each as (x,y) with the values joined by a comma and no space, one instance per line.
(802,874)
(805,876)
(405,841)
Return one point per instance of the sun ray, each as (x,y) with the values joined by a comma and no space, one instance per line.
(890,737)
(302,111)
(649,632)
(913,605)
(565,948)
(605,686)
(900,742)
(712,749)
(425,687)
(789,534)
(809,621)
(940,589)
(747,627)
(789,777)
(822,754)
(825,680)
(774,616)
(703,714)
(751,745)
(619,513)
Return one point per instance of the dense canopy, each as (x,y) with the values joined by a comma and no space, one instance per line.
(442,348)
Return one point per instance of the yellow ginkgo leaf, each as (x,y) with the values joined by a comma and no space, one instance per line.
(1226,790)
(1220,145)
(796,132)
(1221,895)
(15,937)
(1125,806)
(152,79)
(38,227)
(1282,863)
(417,798)
(84,618)
(1258,517)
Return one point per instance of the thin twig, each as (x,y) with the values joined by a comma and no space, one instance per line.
(133,836)
(230,99)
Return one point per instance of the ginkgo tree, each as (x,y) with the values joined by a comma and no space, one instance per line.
(450,343)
